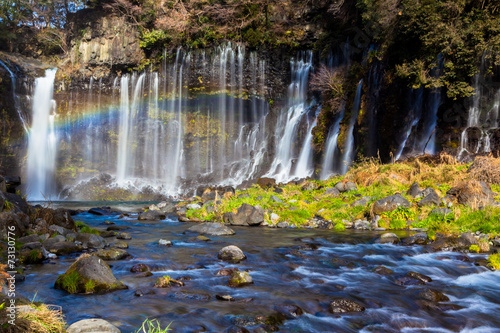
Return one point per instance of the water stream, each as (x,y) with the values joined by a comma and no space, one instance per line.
(306,268)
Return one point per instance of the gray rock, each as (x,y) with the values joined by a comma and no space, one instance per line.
(431,199)
(418,276)
(374,222)
(433,296)
(346,186)
(165,242)
(344,305)
(447,201)
(390,203)
(151,215)
(11,219)
(212,228)
(89,268)
(239,279)
(388,237)
(59,230)
(57,239)
(91,241)
(441,211)
(361,225)
(124,236)
(62,217)
(309,186)
(472,193)
(231,253)
(274,218)
(62,248)
(29,239)
(112,254)
(121,245)
(247,215)
(194,206)
(425,192)
(414,190)
(332,191)
(361,202)
(283,224)
(420,238)
(93,325)
(276,199)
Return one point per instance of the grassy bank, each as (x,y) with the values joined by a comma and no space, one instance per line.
(300,203)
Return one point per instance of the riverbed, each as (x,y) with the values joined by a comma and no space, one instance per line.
(304,268)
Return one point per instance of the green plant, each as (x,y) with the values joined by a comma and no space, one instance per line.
(8,205)
(339,226)
(90,286)
(494,261)
(89,230)
(474,248)
(153,326)
(70,282)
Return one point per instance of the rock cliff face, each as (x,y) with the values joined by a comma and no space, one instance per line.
(99,38)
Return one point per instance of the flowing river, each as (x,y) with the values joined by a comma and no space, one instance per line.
(305,268)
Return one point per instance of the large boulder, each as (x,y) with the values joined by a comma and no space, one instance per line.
(212,228)
(266,183)
(247,215)
(346,186)
(91,241)
(92,325)
(62,217)
(152,215)
(88,274)
(473,193)
(390,203)
(18,203)
(164,207)
(231,253)
(14,223)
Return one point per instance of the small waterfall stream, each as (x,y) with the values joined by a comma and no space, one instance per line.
(349,150)
(42,146)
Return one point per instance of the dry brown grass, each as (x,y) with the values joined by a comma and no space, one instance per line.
(45,319)
(486,168)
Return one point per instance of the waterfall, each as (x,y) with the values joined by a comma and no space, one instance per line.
(304,163)
(349,151)
(331,149)
(285,136)
(16,102)
(42,145)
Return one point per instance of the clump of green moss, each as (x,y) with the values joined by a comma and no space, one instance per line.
(494,261)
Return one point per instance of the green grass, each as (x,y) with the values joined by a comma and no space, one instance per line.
(70,282)
(84,228)
(90,286)
(153,326)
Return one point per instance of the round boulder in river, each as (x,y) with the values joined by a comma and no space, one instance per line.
(231,253)
(93,325)
(212,228)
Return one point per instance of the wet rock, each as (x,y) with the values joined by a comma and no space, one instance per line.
(433,306)
(117,228)
(140,268)
(332,191)
(226,271)
(388,237)
(431,199)
(266,183)
(283,224)
(63,248)
(433,295)
(29,239)
(231,253)
(226,298)
(452,243)
(165,242)
(88,274)
(53,240)
(420,238)
(167,282)
(344,305)
(202,238)
(62,217)
(138,293)
(166,207)
(418,276)
(93,325)
(390,203)
(441,211)
(112,254)
(121,245)
(107,234)
(346,186)
(408,281)
(100,211)
(361,225)
(240,279)
(382,270)
(151,215)
(361,202)
(213,229)
(91,241)
(275,199)
(55,229)
(289,311)
(414,190)
(236,329)
(124,236)
(247,215)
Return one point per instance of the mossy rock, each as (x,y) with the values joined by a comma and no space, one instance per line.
(88,274)
(112,254)
(240,279)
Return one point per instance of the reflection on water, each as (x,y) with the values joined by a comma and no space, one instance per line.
(285,270)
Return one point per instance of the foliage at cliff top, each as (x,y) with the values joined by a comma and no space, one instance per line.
(376,181)
(436,43)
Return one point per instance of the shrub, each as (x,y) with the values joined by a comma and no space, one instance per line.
(494,261)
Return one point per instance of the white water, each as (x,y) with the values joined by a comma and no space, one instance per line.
(304,163)
(285,136)
(331,148)
(42,146)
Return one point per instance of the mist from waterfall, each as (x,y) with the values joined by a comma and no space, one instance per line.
(42,145)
